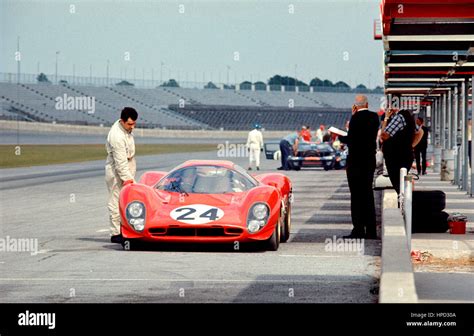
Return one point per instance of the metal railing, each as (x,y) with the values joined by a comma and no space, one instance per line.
(405,199)
(142,83)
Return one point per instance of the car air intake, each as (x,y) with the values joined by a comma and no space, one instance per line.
(196,232)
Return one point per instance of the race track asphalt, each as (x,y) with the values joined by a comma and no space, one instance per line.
(64,208)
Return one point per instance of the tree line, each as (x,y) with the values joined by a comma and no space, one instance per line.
(274,83)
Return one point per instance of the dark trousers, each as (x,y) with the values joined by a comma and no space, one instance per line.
(469,146)
(360,181)
(394,163)
(420,152)
(286,150)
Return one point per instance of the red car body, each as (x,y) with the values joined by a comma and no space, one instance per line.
(178,216)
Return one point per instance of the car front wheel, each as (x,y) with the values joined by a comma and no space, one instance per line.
(286,225)
(272,243)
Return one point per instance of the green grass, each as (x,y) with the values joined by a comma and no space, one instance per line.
(12,156)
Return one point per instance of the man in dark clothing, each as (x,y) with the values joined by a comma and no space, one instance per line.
(288,146)
(420,149)
(363,128)
(398,130)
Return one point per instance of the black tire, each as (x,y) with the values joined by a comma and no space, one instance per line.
(272,243)
(286,229)
(430,223)
(426,202)
(326,168)
(132,245)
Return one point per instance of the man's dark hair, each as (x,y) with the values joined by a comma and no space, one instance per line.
(421,119)
(129,112)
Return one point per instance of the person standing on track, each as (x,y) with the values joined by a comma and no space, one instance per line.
(120,166)
(398,140)
(255,146)
(320,132)
(289,146)
(420,148)
(305,133)
(361,139)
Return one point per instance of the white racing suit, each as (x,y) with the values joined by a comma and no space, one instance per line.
(120,166)
(255,144)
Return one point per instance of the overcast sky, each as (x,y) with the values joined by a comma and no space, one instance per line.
(323,38)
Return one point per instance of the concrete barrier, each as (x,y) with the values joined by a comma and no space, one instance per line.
(37,127)
(447,165)
(397,282)
(437,159)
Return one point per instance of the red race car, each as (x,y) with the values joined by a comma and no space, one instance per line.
(207,201)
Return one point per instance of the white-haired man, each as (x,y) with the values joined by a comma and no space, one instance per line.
(361,140)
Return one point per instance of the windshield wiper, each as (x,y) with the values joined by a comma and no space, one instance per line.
(176,187)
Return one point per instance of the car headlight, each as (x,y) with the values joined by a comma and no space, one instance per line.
(255,225)
(135,209)
(329,157)
(260,211)
(136,215)
(257,217)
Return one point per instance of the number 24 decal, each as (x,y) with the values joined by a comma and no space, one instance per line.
(197,214)
(211,214)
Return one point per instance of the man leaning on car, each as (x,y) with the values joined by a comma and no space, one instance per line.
(120,166)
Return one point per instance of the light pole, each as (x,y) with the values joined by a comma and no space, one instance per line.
(107,72)
(296,67)
(18,60)
(161,72)
(228,69)
(56,67)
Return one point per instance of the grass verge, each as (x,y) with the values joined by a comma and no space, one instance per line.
(12,156)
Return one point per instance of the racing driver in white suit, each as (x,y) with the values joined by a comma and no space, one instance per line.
(120,166)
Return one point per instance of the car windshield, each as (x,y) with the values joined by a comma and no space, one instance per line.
(206,180)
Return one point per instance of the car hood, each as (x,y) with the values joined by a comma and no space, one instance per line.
(210,199)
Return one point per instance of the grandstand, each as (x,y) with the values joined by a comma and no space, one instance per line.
(273,118)
(180,108)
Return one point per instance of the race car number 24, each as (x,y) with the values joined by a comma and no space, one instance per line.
(196,214)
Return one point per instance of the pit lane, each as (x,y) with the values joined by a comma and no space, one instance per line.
(64,208)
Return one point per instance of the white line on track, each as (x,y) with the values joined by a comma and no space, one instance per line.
(453,200)
(320,256)
(463,211)
(103,230)
(285,281)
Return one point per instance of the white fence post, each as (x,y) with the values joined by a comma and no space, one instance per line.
(408,181)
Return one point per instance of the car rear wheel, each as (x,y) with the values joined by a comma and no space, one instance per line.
(273,242)
(286,229)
